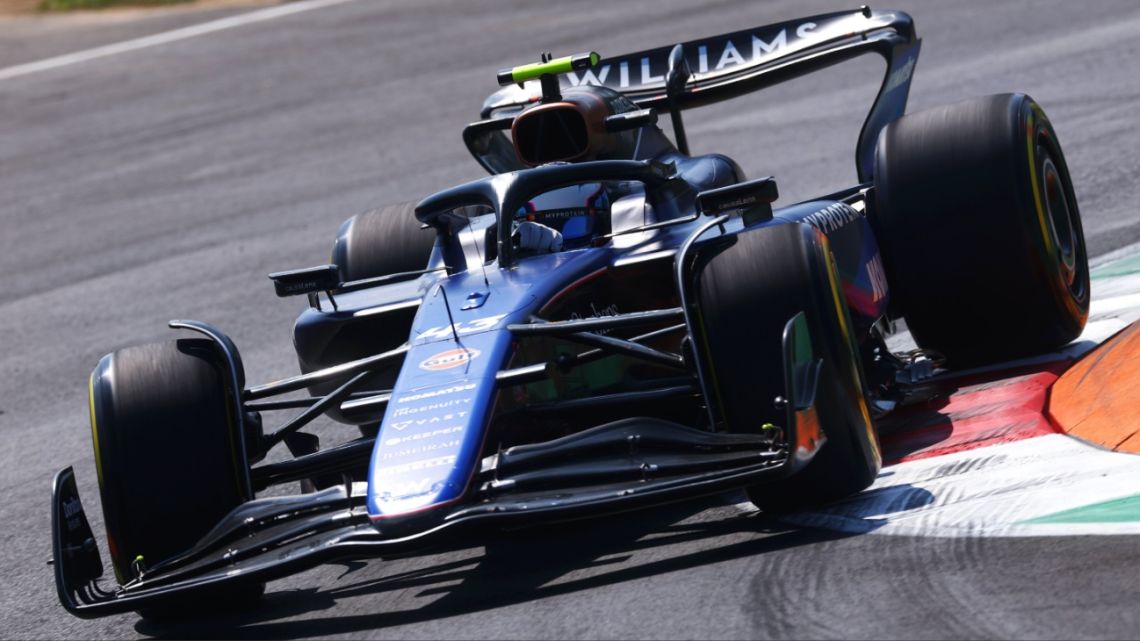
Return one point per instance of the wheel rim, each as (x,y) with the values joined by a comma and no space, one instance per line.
(1060,216)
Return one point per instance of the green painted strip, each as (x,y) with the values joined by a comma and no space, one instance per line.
(1123,510)
(554,67)
(1123,267)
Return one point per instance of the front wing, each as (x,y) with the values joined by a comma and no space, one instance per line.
(645,462)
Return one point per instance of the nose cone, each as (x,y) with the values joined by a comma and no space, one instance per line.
(429,444)
(428,447)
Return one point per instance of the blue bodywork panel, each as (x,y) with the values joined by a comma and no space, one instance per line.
(857,256)
(433,431)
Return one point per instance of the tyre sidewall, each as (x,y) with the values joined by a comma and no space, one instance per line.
(166,480)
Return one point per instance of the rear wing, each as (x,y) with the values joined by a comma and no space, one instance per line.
(731,65)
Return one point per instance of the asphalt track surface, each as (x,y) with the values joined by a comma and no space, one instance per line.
(165,183)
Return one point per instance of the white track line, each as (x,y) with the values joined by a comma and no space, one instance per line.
(1114,305)
(166,37)
(990,491)
(998,490)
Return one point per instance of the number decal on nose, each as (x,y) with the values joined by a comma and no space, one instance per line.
(467,327)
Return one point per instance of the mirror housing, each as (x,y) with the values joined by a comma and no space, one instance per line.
(753,199)
(631,120)
(309,280)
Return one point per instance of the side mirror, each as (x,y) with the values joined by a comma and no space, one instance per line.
(631,120)
(753,199)
(306,281)
(675,79)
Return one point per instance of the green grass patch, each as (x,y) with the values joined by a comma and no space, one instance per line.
(72,5)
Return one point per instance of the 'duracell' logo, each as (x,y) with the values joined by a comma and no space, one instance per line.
(449,359)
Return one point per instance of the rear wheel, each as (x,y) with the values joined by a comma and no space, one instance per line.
(980,230)
(165,450)
(746,292)
(377,243)
(381,242)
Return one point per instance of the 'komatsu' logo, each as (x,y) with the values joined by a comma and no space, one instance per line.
(715,56)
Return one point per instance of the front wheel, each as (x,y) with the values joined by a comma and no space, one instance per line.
(166,451)
(748,288)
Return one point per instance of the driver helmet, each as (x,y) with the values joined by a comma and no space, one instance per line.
(579,213)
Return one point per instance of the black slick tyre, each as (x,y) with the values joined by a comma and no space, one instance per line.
(747,289)
(380,242)
(166,453)
(980,230)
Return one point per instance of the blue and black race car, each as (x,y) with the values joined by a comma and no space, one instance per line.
(606,322)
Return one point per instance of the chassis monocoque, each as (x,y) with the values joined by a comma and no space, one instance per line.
(681,338)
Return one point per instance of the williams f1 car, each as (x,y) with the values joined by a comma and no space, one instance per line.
(606,322)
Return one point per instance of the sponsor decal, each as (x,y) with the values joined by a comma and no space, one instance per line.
(878,278)
(558,214)
(423,448)
(715,55)
(461,328)
(416,466)
(440,405)
(399,425)
(72,511)
(608,310)
(301,287)
(739,203)
(900,76)
(401,491)
(449,359)
(411,438)
(454,389)
(832,217)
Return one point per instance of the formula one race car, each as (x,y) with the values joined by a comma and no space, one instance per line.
(605,323)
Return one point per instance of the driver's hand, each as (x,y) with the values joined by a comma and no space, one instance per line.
(537,237)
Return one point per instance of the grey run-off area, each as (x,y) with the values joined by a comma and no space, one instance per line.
(166,182)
